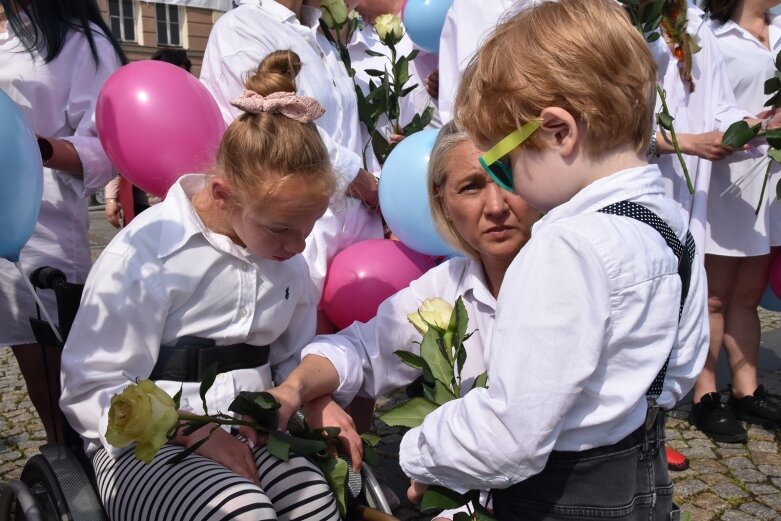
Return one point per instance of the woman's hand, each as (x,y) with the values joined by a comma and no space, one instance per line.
(431,82)
(224,449)
(289,399)
(325,412)
(706,145)
(365,187)
(415,491)
(114,213)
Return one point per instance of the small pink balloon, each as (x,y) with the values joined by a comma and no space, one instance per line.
(157,122)
(775,276)
(363,275)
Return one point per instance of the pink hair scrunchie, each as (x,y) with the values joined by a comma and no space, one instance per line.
(300,108)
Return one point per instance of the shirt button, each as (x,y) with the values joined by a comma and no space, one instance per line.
(243,312)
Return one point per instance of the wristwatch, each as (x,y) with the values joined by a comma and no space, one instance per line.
(46,148)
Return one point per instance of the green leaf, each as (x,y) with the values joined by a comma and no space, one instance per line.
(438,498)
(375,54)
(665,120)
(778,61)
(772,85)
(371,456)
(178,397)
(481,380)
(406,90)
(774,138)
(402,75)
(299,445)
(441,368)
(375,72)
(412,55)
(652,11)
(774,154)
(738,134)
(442,393)
(774,101)
(652,25)
(278,446)
(335,472)
(778,190)
(653,37)
(191,449)
(371,439)
(482,513)
(408,414)
(260,406)
(206,383)
(411,359)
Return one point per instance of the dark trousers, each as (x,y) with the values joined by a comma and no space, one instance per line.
(626,481)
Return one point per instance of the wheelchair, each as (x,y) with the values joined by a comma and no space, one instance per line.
(59,485)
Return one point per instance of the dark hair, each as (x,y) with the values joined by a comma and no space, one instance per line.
(176,57)
(51,22)
(721,10)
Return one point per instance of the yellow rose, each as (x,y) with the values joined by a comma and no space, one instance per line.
(434,311)
(388,27)
(333,13)
(144,414)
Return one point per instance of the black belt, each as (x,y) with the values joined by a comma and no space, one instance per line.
(190,357)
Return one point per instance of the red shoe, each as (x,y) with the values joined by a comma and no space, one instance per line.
(676,460)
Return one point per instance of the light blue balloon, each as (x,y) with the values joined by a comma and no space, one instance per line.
(770,301)
(21,179)
(423,20)
(404,195)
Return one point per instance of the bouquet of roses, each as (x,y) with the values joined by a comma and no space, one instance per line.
(442,358)
(145,414)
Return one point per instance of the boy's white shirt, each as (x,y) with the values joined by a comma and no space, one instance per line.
(166,276)
(587,315)
(363,353)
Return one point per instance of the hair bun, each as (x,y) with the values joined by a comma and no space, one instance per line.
(276,73)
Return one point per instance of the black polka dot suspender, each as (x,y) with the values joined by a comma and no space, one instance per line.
(685,256)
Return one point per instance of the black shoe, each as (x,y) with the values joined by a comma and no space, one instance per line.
(757,408)
(716,421)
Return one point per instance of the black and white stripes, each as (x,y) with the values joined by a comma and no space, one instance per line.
(199,489)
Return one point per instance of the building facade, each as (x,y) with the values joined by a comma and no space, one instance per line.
(142,27)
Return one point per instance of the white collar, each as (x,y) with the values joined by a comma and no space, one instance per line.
(272,8)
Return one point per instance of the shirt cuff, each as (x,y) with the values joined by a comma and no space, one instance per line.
(97,167)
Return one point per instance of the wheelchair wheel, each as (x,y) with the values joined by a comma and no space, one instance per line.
(44,486)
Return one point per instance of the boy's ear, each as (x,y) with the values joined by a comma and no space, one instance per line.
(561,129)
(221,192)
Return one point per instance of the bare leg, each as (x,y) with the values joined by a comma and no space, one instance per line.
(40,366)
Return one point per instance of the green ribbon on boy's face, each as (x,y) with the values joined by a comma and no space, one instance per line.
(496,161)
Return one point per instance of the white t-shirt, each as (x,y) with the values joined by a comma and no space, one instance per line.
(58,99)
(166,276)
(733,228)
(586,317)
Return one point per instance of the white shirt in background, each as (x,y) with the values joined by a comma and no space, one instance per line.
(733,228)
(363,353)
(711,107)
(586,316)
(58,99)
(166,276)
(467,25)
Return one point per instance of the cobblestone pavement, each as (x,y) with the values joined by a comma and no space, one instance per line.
(730,482)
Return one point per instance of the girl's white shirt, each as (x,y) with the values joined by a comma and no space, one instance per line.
(166,276)
(363,353)
(586,317)
(733,228)
(245,35)
(58,100)
(711,107)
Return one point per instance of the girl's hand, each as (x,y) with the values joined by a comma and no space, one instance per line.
(225,450)
(365,187)
(415,491)
(325,412)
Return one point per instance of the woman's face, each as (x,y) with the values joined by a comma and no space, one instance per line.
(495,222)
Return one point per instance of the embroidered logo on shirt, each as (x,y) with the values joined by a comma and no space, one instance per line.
(287,292)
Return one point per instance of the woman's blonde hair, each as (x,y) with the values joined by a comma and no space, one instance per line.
(260,152)
(449,138)
(580,55)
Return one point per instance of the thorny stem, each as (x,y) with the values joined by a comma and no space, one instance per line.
(674,138)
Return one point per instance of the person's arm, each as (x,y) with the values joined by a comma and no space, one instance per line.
(706,145)
(541,355)
(113,209)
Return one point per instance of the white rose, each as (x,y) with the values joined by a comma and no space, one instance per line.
(433,311)
(388,27)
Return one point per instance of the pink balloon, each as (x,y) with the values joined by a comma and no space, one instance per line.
(775,276)
(156,123)
(363,275)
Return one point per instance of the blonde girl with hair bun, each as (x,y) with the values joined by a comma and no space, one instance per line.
(215,265)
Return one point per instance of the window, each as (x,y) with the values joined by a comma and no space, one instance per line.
(122,19)
(168,25)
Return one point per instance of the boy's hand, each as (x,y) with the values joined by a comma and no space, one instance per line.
(706,145)
(325,412)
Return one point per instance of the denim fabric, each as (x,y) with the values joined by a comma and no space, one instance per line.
(626,481)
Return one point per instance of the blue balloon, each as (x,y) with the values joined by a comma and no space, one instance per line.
(21,179)
(404,195)
(424,20)
(770,301)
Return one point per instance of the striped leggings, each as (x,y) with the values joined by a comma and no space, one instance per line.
(199,489)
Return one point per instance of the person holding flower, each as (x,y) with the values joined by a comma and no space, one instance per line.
(243,37)
(211,274)
(490,226)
